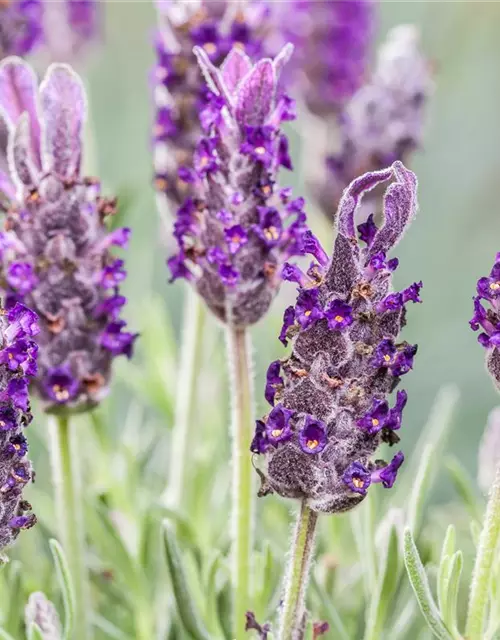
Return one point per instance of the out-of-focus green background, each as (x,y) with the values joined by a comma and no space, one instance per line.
(452,242)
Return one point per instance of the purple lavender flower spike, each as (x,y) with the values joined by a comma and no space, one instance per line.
(56,256)
(384,120)
(15,469)
(332,39)
(21,27)
(185,107)
(347,357)
(237,260)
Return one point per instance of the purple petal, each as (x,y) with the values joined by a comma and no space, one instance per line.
(22,162)
(18,91)
(256,94)
(64,108)
(235,67)
(213,76)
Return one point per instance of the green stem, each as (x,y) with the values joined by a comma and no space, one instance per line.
(238,347)
(192,342)
(297,577)
(65,458)
(481,576)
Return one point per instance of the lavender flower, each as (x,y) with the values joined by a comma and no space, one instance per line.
(180,91)
(384,120)
(18,351)
(55,251)
(332,39)
(236,233)
(60,28)
(330,401)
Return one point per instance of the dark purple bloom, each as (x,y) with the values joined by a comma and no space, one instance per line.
(117,341)
(312,246)
(273,381)
(260,442)
(376,418)
(346,360)
(259,143)
(367,230)
(8,418)
(17,445)
(21,277)
(269,227)
(308,309)
(357,478)
(312,437)
(288,321)
(293,273)
(60,385)
(284,159)
(236,237)
(387,475)
(57,257)
(17,392)
(339,315)
(278,427)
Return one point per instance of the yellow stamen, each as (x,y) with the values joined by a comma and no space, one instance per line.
(60,393)
(276,433)
(312,444)
(495,286)
(210,48)
(260,151)
(271,233)
(375,422)
(387,358)
(308,312)
(358,483)
(339,319)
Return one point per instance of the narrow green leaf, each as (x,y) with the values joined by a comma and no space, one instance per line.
(449,613)
(5,636)
(185,605)
(14,603)
(449,542)
(388,577)
(442,582)
(34,632)
(404,621)
(465,487)
(475,531)
(420,585)
(211,591)
(66,585)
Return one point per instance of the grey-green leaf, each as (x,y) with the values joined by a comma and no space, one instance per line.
(185,605)
(420,585)
(66,586)
(34,632)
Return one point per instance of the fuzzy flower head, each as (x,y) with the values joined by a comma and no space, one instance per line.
(331,398)
(59,29)
(384,120)
(332,40)
(18,353)
(237,232)
(180,92)
(55,250)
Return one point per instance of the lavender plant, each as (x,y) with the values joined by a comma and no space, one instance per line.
(180,94)
(330,397)
(56,258)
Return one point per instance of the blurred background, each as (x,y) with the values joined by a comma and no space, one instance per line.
(451,244)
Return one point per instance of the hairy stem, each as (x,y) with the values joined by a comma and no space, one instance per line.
(238,348)
(297,577)
(65,458)
(481,576)
(192,342)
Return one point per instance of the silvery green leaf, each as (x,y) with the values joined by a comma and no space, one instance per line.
(452,585)
(442,582)
(436,430)
(475,531)
(185,605)
(420,584)
(66,585)
(5,636)
(403,622)
(363,529)
(465,488)
(387,582)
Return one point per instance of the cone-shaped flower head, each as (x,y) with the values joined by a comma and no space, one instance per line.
(179,88)
(384,121)
(332,40)
(18,353)
(238,230)
(330,399)
(60,28)
(55,250)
